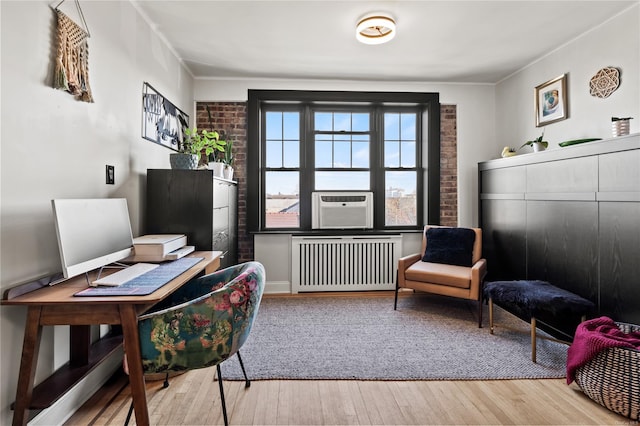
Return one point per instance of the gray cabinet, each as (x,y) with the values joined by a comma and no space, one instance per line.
(570,216)
(197,204)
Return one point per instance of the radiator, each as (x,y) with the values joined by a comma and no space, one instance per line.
(344,263)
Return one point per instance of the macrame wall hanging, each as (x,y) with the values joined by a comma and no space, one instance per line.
(72,57)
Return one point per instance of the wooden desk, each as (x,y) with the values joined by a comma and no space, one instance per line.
(57,305)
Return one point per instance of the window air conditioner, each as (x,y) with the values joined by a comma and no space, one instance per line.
(342,210)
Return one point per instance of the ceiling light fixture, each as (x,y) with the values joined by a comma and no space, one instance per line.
(376,29)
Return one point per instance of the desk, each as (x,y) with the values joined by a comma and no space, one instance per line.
(57,305)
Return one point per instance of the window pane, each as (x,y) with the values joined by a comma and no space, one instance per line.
(360,154)
(291,121)
(400,199)
(408,154)
(342,154)
(274,125)
(291,153)
(342,122)
(282,200)
(342,181)
(408,130)
(274,153)
(391,154)
(360,122)
(323,121)
(391,126)
(324,155)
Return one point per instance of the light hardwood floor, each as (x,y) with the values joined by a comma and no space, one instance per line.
(193,399)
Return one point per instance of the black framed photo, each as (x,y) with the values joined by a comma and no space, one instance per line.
(162,122)
(551,101)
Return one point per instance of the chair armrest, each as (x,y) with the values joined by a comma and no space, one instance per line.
(403,264)
(478,272)
(406,261)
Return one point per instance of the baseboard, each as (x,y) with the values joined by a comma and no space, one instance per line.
(64,408)
(273,287)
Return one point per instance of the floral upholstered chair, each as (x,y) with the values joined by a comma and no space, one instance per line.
(203,323)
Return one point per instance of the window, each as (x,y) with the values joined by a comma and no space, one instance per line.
(356,141)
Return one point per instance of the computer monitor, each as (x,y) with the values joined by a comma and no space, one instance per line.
(91,233)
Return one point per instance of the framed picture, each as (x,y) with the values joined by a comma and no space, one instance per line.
(162,122)
(551,101)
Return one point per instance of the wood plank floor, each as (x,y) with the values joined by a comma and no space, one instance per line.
(193,399)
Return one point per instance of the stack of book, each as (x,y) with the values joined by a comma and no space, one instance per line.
(158,248)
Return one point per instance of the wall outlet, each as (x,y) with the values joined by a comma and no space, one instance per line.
(110,175)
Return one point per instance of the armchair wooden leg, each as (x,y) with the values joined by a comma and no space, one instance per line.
(480,312)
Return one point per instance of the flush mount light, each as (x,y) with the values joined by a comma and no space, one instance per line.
(376,29)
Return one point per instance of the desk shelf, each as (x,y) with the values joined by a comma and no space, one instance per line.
(55,386)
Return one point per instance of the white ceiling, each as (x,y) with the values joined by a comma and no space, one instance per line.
(438,41)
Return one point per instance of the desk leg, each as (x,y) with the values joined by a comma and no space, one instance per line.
(30,349)
(129,321)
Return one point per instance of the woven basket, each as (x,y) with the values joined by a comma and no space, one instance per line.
(612,378)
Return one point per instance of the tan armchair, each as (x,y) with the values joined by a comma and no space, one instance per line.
(439,278)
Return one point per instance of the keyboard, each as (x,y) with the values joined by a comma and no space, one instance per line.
(125,275)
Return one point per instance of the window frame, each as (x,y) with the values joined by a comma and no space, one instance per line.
(305,101)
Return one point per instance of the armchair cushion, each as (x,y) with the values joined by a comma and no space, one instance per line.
(440,274)
(451,246)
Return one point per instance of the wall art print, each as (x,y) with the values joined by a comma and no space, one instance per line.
(551,101)
(162,122)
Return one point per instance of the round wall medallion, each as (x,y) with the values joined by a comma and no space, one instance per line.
(605,82)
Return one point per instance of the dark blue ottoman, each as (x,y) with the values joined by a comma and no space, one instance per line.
(530,299)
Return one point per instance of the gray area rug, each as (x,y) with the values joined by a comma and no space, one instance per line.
(362,338)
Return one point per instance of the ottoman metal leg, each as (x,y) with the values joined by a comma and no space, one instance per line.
(490,315)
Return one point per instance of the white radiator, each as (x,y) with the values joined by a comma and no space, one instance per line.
(344,263)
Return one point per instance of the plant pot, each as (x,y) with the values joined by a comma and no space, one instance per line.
(537,146)
(184,161)
(217,168)
(228,172)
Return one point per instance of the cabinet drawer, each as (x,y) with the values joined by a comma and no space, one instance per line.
(510,180)
(569,176)
(220,194)
(220,219)
(619,171)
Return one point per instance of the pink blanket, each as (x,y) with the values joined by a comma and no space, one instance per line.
(593,336)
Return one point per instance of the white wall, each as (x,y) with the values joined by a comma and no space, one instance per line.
(614,43)
(475,106)
(53,146)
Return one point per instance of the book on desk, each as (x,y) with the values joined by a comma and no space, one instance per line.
(159,248)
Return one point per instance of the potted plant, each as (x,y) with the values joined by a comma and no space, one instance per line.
(538,144)
(227,160)
(196,146)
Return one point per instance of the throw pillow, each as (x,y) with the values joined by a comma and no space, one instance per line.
(452,246)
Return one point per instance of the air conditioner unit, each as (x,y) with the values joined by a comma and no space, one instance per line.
(342,210)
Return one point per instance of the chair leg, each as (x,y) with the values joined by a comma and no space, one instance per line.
(247,382)
(224,406)
(126,422)
(395,301)
(480,312)
(165,385)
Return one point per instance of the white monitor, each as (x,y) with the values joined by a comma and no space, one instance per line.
(91,233)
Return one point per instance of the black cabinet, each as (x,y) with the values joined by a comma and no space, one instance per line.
(570,216)
(197,204)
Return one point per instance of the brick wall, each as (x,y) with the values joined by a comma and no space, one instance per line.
(231,117)
(448,166)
